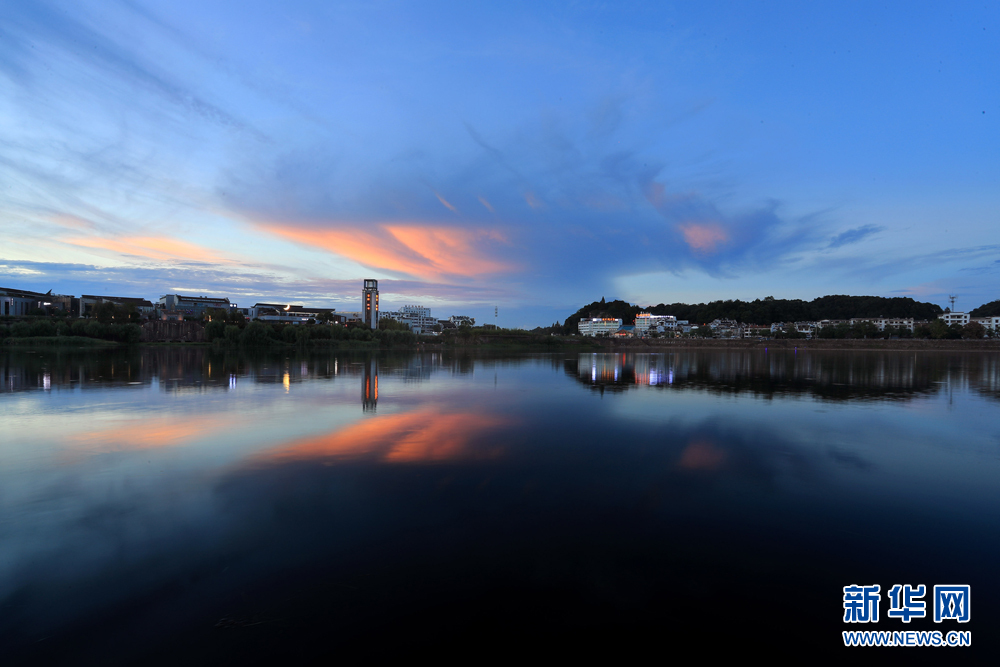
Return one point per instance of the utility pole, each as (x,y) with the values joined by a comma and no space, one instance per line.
(495,310)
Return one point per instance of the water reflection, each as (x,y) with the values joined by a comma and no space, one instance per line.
(829,375)
(373,501)
(369,385)
(426,434)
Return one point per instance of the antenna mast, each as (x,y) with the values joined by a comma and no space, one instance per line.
(952,297)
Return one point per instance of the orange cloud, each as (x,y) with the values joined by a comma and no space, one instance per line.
(424,251)
(424,435)
(489,206)
(703,238)
(702,455)
(532,200)
(153,247)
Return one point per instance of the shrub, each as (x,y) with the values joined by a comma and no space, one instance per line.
(232,335)
(43,328)
(215,329)
(255,334)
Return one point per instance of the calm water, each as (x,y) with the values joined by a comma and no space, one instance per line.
(183,505)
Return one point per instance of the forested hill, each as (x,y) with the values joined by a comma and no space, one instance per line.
(991,309)
(768,310)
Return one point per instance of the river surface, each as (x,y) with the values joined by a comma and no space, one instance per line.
(188,506)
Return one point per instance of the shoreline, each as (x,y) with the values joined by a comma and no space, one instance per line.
(517,343)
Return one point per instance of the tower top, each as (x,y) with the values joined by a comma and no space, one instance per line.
(371,284)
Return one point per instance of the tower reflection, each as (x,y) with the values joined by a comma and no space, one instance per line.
(369,384)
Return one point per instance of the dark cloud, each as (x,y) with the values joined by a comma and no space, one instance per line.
(854,235)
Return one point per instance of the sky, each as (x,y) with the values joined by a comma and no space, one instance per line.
(530,157)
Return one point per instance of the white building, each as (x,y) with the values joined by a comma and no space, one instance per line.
(991,323)
(599,326)
(961,319)
(418,318)
(882,322)
(646,323)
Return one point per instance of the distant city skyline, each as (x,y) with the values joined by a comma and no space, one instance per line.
(531,156)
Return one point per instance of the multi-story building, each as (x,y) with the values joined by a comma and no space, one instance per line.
(961,319)
(646,323)
(883,322)
(178,306)
(756,331)
(991,323)
(418,318)
(21,302)
(599,326)
(369,303)
(289,313)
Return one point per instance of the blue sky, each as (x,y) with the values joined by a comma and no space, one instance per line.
(535,156)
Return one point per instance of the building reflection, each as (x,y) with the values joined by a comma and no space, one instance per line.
(831,375)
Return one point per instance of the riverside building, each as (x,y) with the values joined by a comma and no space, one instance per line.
(599,326)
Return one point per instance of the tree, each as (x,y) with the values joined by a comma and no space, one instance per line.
(104,312)
(973,330)
(391,324)
(991,309)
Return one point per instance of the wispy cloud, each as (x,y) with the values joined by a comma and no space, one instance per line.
(854,235)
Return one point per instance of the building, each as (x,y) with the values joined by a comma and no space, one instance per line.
(178,306)
(991,323)
(418,318)
(22,302)
(646,324)
(756,331)
(289,313)
(462,320)
(87,302)
(723,328)
(882,322)
(961,319)
(599,326)
(625,331)
(369,303)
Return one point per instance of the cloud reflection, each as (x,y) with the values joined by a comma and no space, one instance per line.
(702,454)
(427,434)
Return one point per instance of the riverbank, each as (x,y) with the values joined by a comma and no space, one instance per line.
(540,343)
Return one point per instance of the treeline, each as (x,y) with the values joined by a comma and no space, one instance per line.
(45,327)
(259,334)
(767,310)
